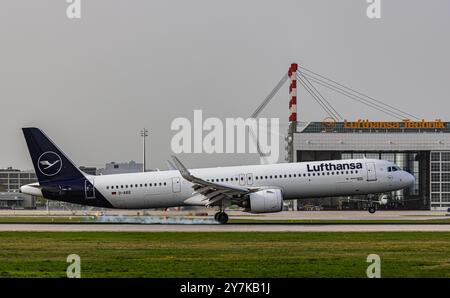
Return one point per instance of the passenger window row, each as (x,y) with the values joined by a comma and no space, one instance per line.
(286,176)
(126,186)
(224,179)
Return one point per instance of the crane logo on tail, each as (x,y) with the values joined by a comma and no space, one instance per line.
(49,163)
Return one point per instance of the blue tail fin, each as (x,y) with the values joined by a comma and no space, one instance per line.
(49,162)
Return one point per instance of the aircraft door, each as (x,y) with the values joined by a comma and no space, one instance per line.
(371,171)
(89,189)
(176,184)
(249,179)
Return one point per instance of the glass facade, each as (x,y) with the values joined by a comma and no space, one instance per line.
(440,179)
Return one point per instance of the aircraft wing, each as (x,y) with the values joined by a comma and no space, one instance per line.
(214,193)
(377,201)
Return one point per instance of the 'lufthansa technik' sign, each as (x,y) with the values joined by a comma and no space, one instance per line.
(405,124)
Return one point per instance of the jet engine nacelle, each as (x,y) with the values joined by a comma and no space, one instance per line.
(383,200)
(265,201)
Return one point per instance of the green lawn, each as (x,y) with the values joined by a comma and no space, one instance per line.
(111,254)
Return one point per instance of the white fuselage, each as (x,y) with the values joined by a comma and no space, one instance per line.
(295,180)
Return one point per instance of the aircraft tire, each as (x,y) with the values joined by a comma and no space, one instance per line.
(222,218)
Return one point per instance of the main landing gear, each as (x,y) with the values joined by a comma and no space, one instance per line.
(372,208)
(221,217)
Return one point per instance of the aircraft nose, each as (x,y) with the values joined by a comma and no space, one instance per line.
(408,179)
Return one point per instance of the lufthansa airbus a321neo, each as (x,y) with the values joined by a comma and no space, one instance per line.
(256,188)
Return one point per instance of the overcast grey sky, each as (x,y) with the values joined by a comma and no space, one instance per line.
(93,83)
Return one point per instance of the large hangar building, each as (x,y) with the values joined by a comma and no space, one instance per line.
(420,147)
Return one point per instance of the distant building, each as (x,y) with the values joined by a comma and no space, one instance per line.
(16,200)
(121,168)
(89,170)
(421,148)
(10,182)
(12,179)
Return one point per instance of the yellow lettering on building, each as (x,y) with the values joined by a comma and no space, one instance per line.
(405,124)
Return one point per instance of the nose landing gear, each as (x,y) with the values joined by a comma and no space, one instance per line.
(372,204)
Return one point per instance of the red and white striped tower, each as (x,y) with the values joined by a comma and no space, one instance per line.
(292,73)
(293,92)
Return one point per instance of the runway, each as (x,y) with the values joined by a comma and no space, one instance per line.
(285,215)
(226,228)
(157,221)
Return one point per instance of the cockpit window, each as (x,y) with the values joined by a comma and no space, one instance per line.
(393,169)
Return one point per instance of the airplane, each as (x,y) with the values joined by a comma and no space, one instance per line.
(256,188)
